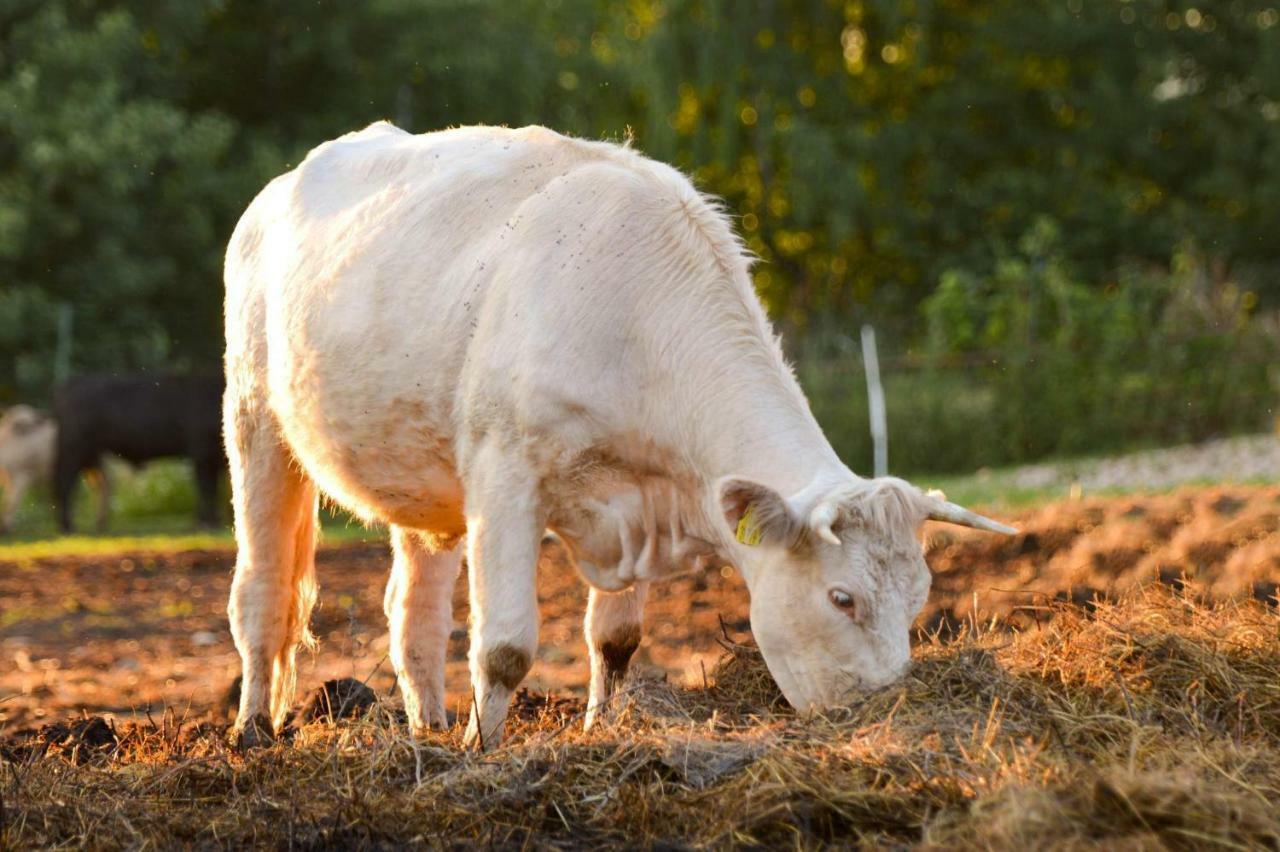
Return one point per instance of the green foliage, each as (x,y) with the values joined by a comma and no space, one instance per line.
(156,498)
(158,490)
(980,178)
(111,197)
(870,146)
(159,496)
(1029,362)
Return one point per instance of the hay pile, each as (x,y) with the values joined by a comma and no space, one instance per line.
(1153,721)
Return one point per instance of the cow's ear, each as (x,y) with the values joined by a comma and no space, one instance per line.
(756,514)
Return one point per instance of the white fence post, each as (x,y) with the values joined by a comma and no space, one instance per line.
(875,401)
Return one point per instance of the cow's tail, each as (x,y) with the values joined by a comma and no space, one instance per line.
(284,684)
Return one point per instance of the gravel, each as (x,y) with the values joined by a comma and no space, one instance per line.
(1251,458)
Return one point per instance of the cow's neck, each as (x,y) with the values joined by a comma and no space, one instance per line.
(744,415)
(769,436)
(735,410)
(722,401)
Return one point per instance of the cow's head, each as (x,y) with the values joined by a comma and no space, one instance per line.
(836,578)
(20,421)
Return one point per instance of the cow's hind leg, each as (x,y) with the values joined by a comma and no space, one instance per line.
(613,634)
(419,606)
(504,534)
(65,475)
(274,586)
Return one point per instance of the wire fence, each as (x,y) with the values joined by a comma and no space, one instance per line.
(986,409)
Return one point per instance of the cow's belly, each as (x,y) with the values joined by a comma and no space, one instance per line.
(385,456)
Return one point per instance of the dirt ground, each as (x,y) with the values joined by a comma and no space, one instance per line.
(132,634)
(123,634)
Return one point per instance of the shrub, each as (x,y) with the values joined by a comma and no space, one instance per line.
(1029,362)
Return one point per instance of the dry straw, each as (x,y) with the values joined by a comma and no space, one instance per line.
(1151,722)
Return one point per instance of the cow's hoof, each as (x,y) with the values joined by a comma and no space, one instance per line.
(441,721)
(257,732)
(345,698)
(420,731)
(596,715)
(473,739)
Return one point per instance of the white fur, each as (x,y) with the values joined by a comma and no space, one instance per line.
(419,607)
(495,332)
(28,450)
(28,441)
(610,615)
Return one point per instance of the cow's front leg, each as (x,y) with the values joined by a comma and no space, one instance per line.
(419,607)
(504,532)
(613,634)
(18,484)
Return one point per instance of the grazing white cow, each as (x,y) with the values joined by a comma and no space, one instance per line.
(485,333)
(27,445)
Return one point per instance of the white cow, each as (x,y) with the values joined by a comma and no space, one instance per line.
(28,451)
(485,333)
(27,444)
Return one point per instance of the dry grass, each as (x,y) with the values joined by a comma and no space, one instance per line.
(1150,722)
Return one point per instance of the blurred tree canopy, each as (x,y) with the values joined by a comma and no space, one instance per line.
(868,147)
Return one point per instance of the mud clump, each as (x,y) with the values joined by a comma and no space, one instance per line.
(76,741)
(532,706)
(343,698)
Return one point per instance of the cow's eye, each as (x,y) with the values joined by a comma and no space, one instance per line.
(843,601)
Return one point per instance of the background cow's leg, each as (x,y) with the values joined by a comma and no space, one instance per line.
(104,498)
(97,480)
(504,534)
(274,586)
(419,607)
(16,489)
(613,634)
(208,467)
(66,473)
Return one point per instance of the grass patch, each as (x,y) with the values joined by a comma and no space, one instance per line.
(87,545)
(993,490)
(148,539)
(152,511)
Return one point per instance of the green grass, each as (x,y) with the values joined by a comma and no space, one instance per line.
(148,539)
(978,491)
(152,510)
(995,489)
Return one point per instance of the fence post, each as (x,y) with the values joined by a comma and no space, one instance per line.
(875,401)
(62,346)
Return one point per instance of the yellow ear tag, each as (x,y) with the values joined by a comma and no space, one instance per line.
(748,533)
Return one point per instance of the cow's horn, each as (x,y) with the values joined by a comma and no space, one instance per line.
(952,514)
(822,519)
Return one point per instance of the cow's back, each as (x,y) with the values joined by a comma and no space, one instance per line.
(396,296)
(355,287)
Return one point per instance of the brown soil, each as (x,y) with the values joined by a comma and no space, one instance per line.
(133,634)
(1216,543)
